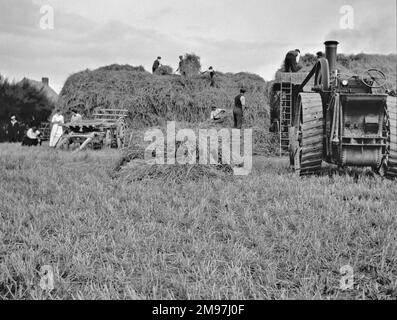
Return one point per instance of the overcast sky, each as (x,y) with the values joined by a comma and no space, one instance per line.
(231,35)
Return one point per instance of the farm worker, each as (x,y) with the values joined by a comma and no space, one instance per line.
(180,66)
(217,114)
(156,64)
(239,105)
(76,117)
(13,130)
(211,71)
(32,137)
(291,61)
(57,129)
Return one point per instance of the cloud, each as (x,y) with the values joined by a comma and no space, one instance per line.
(76,43)
(374,32)
(229,35)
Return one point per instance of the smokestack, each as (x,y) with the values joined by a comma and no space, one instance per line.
(45,81)
(331,49)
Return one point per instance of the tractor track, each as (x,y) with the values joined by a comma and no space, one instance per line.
(312,133)
(392,163)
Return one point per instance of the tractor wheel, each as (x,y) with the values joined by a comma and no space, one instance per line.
(308,142)
(391,170)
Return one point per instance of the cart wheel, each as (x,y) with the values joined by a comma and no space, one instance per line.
(63,143)
(121,130)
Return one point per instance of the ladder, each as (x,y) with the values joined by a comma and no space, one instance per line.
(285,115)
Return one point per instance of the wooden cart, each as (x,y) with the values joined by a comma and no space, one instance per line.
(107,128)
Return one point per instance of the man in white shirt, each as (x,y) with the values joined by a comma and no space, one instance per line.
(32,137)
(76,117)
(217,115)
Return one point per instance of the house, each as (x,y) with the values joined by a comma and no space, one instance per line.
(43,86)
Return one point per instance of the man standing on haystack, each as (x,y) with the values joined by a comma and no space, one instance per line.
(156,64)
(211,71)
(292,60)
(238,112)
(13,130)
(180,65)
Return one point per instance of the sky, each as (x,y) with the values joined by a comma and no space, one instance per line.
(230,35)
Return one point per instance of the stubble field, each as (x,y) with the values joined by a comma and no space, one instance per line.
(270,235)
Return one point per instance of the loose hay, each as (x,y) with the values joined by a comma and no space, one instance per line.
(139,170)
(132,165)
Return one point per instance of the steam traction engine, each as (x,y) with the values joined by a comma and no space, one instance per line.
(343,121)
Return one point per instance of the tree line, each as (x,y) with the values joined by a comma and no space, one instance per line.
(30,105)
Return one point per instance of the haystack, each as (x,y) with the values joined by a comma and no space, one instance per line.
(154,99)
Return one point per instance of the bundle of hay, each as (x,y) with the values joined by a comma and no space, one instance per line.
(140,171)
(190,65)
(265,143)
(164,70)
(132,166)
(153,99)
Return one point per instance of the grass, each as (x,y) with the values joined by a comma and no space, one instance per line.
(270,235)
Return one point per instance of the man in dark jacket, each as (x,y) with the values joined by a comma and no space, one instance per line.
(238,111)
(292,60)
(13,130)
(319,55)
(156,64)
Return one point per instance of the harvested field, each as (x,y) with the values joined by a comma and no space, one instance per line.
(270,235)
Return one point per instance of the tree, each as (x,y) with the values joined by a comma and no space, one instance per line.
(30,105)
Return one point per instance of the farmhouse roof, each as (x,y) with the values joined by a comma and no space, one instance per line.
(48,91)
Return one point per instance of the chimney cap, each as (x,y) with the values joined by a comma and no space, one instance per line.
(331,43)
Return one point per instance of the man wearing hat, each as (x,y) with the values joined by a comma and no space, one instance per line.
(211,71)
(292,60)
(156,64)
(180,65)
(13,130)
(238,111)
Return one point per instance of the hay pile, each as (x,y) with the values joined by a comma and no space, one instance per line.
(154,99)
(140,171)
(132,166)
